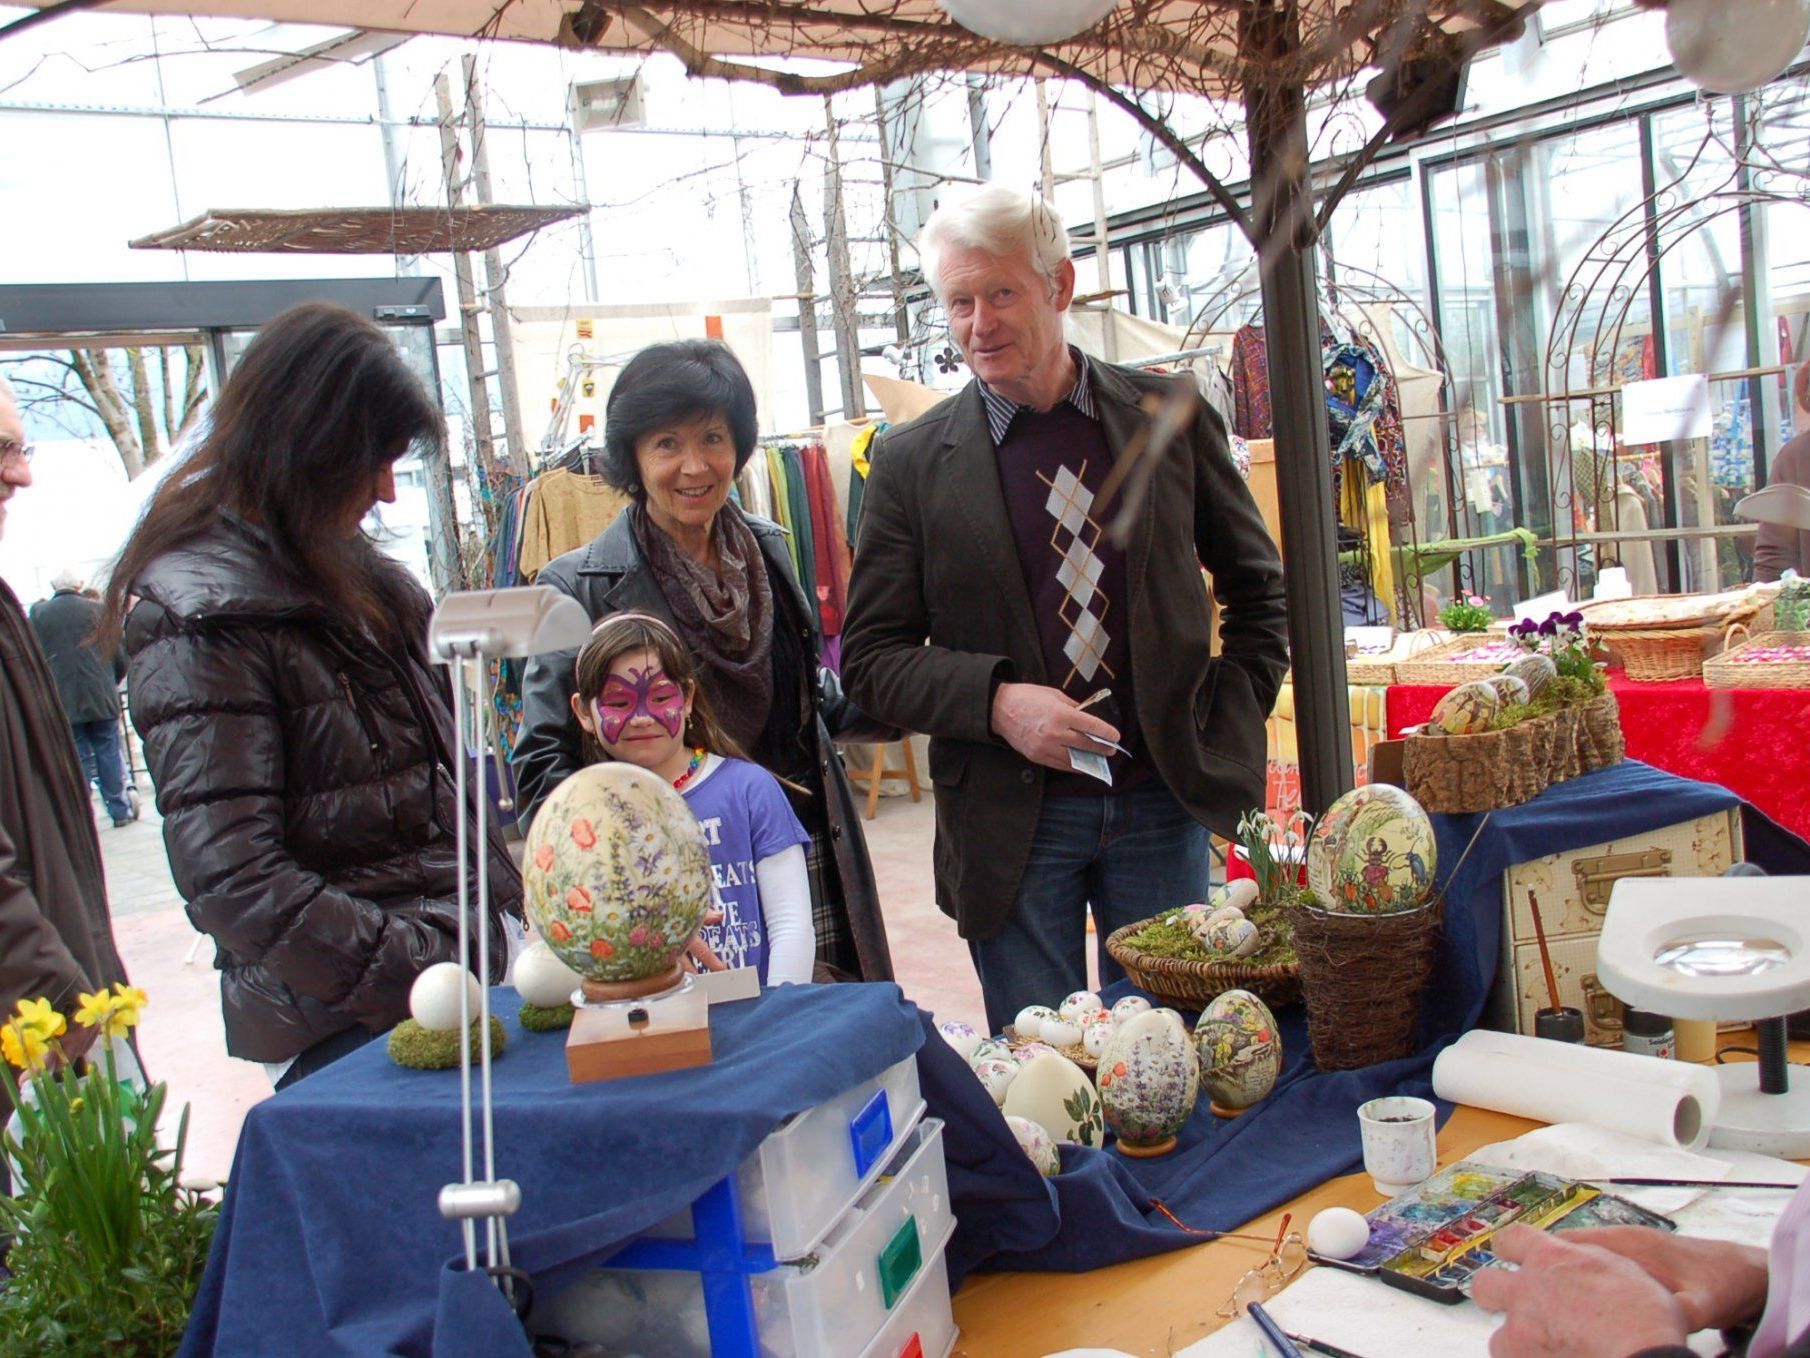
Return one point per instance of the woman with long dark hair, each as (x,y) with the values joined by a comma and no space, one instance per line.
(299,738)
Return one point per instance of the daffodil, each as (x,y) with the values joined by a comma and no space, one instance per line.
(128,1000)
(94,1009)
(39,1016)
(24,1047)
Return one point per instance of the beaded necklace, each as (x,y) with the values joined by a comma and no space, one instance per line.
(691,769)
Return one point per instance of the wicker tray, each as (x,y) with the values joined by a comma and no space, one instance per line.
(1438,666)
(1662,637)
(1077,1053)
(1732,670)
(1194,985)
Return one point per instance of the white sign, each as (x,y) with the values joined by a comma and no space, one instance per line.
(1665,408)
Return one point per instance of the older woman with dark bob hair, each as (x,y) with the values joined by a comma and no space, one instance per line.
(679,425)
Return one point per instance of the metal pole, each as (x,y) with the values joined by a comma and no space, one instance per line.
(1756,301)
(842,282)
(901,320)
(1276,116)
(495,276)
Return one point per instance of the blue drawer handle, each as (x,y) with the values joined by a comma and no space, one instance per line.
(870,1133)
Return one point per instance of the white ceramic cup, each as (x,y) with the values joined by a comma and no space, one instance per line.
(1399,1142)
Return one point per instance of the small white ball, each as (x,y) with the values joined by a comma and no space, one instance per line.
(1062,1033)
(1338,1233)
(434,998)
(541,978)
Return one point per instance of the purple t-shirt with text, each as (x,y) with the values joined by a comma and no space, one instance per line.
(746,818)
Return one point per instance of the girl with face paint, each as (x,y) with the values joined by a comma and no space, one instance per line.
(637,700)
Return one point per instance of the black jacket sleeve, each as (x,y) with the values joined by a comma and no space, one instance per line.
(547,749)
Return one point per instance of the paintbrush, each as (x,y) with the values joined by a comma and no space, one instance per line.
(1556,1022)
(1539,934)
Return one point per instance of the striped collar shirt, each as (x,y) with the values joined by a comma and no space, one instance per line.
(1002,409)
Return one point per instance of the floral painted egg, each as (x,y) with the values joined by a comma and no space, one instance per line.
(996,1077)
(1372,853)
(961,1036)
(1233,937)
(1062,1033)
(1224,912)
(1131,1004)
(989,1049)
(1509,689)
(1030,1051)
(1536,671)
(1078,1003)
(1098,1016)
(1036,1143)
(1095,1037)
(1467,709)
(1056,1094)
(616,874)
(1029,1023)
(1240,895)
(1240,1050)
(1148,1080)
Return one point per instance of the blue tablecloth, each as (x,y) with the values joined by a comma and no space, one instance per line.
(330,1241)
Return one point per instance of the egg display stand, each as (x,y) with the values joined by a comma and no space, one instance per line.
(615,1035)
(1361,977)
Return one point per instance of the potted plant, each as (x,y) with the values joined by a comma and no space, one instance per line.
(108,1246)
(1467,613)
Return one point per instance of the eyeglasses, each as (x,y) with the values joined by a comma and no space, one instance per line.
(12,448)
(1288,1256)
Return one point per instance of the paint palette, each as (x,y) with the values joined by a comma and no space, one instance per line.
(1430,1241)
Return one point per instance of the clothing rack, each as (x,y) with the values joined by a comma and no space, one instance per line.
(1212,351)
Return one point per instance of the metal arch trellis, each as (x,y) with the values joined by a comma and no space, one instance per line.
(1592,316)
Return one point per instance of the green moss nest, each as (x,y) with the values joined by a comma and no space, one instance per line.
(414,1046)
(1168,936)
(1564,691)
(537,1019)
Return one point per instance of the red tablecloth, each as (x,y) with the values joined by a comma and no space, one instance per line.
(1753,741)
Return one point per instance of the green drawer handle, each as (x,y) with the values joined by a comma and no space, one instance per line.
(900,1262)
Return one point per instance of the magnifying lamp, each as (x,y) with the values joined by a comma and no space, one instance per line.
(1780,502)
(1729,948)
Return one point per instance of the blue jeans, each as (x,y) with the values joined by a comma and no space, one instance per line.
(97,742)
(1127,854)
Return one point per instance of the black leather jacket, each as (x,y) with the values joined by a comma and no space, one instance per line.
(305,780)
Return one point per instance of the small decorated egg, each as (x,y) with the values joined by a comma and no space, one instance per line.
(1029,1023)
(1337,1233)
(1036,1143)
(1199,927)
(1510,689)
(1101,1015)
(961,1036)
(1241,894)
(1148,1080)
(1095,1037)
(989,1049)
(541,979)
(1240,1050)
(1125,1008)
(996,1077)
(1056,1094)
(1030,1051)
(1078,1003)
(1233,937)
(434,997)
(1467,709)
(1062,1033)
(1372,853)
(1224,912)
(1535,671)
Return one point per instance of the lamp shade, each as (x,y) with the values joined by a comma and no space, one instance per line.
(1028,23)
(1725,55)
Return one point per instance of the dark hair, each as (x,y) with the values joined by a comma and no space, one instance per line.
(621,633)
(683,380)
(319,405)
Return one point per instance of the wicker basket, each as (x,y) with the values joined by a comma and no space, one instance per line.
(1729,670)
(1369,669)
(1194,985)
(1459,775)
(1676,634)
(1362,976)
(1436,666)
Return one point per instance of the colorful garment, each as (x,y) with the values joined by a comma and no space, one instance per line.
(745,818)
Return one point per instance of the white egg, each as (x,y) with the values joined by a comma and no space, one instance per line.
(1030,1051)
(1029,1023)
(1131,1004)
(1224,912)
(996,1077)
(989,1049)
(1338,1233)
(1078,1003)
(961,1036)
(1095,1036)
(1062,1033)
(541,978)
(434,998)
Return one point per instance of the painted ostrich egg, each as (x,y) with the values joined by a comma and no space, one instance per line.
(1148,1078)
(1372,853)
(1536,671)
(616,873)
(1467,709)
(1510,688)
(1240,1049)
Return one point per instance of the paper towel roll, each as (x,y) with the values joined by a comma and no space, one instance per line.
(1669,1102)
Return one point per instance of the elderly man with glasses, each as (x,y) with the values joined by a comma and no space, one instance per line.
(56,938)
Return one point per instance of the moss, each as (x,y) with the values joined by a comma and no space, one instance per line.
(1564,691)
(414,1046)
(1167,936)
(537,1019)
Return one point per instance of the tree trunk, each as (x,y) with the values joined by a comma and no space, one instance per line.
(144,410)
(192,392)
(110,404)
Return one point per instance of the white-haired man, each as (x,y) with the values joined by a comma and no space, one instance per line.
(56,938)
(88,684)
(982,535)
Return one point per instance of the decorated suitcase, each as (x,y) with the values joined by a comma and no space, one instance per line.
(1573,890)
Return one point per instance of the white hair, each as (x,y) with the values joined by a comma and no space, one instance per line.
(67,578)
(998,221)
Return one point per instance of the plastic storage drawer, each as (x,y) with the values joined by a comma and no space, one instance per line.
(832,1304)
(923,1324)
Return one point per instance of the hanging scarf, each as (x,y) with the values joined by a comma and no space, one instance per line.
(725,619)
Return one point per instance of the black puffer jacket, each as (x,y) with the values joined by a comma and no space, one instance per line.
(305,781)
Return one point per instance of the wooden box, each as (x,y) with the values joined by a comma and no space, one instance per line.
(1573,890)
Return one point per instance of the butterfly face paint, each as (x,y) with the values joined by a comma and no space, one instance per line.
(640,693)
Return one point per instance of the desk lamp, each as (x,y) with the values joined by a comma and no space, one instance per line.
(1733,948)
(1781,502)
(472,629)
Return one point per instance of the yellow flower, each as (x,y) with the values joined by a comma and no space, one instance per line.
(38,1016)
(94,1009)
(24,1047)
(128,1000)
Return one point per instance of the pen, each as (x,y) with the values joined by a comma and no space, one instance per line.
(1272,1332)
(1321,1346)
(1691,1183)
(1093,698)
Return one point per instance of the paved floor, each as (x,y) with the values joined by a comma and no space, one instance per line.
(182,1038)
